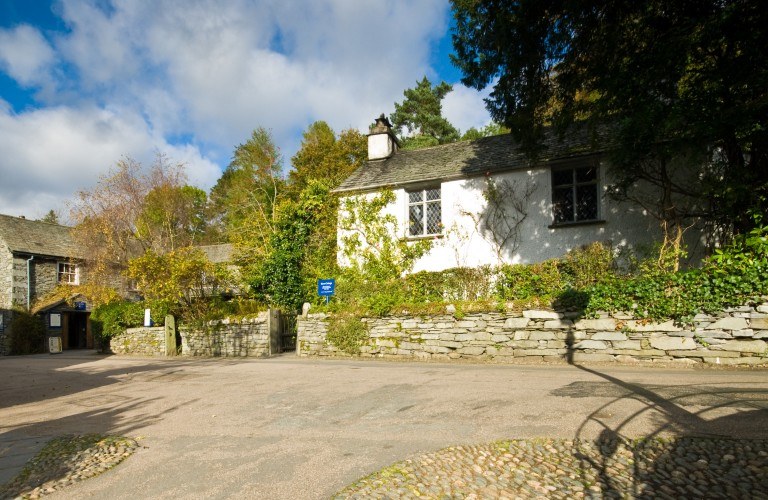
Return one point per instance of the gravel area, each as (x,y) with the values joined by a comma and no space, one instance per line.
(608,468)
(66,460)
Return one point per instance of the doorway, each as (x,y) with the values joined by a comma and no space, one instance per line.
(77,334)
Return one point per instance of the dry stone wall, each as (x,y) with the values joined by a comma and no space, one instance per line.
(737,336)
(228,338)
(144,341)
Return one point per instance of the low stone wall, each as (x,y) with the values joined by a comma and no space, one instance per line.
(242,338)
(734,337)
(144,341)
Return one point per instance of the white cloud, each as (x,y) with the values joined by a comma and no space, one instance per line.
(464,107)
(193,78)
(25,55)
(231,66)
(50,154)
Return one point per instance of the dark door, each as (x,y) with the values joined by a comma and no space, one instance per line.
(78,330)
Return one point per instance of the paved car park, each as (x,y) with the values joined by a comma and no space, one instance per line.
(295,428)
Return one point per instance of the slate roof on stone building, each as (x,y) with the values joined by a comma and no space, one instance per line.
(218,254)
(37,237)
(467,159)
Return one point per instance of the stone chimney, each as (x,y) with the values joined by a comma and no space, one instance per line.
(382,143)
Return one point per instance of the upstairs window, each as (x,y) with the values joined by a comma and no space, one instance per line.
(68,273)
(575,194)
(424,212)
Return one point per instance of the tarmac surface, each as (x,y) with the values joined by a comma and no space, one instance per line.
(296,428)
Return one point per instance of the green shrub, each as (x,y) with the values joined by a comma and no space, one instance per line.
(347,333)
(587,265)
(525,281)
(734,275)
(451,285)
(112,319)
(27,333)
(586,280)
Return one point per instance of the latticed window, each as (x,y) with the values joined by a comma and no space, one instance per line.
(574,194)
(68,273)
(424,212)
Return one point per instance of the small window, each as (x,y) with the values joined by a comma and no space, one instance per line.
(575,194)
(68,273)
(424,212)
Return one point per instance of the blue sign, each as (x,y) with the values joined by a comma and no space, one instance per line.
(326,288)
(79,306)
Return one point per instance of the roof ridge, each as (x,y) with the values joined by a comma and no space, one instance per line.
(23,218)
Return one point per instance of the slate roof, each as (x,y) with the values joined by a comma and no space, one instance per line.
(218,253)
(467,159)
(38,238)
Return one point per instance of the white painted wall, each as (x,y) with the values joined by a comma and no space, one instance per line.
(463,244)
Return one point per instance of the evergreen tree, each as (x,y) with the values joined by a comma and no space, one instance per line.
(419,120)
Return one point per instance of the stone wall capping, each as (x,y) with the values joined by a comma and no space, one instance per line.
(622,316)
(729,323)
(596,324)
(649,326)
(542,314)
(738,309)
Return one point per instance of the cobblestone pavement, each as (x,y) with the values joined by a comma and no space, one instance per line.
(554,468)
(67,460)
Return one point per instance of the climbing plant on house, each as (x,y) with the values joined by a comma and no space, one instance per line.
(377,254)
(506,208)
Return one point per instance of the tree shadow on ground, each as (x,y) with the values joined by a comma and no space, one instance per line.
(21,443)
(37,378)
(700,446)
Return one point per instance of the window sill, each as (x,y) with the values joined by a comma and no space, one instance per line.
(595,222)
(425,237)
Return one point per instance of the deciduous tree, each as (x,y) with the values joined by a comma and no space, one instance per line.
(246,197)
(112,219)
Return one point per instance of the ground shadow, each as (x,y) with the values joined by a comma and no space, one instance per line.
(19,444)
(66,374)
(699,446)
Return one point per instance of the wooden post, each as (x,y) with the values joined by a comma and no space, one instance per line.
(273,326)
(170,335)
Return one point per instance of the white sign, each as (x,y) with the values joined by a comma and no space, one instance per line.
(55,320)
(147,318)
(54,345)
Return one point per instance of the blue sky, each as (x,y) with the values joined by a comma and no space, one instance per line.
(85,82)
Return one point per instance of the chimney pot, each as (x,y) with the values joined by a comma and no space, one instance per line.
(382,142)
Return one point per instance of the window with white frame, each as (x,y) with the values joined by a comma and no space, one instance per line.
(424,212)
(68,273)
(575,194)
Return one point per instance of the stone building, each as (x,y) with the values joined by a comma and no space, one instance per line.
(36,257)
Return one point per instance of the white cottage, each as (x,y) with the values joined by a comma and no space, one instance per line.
(484,202)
